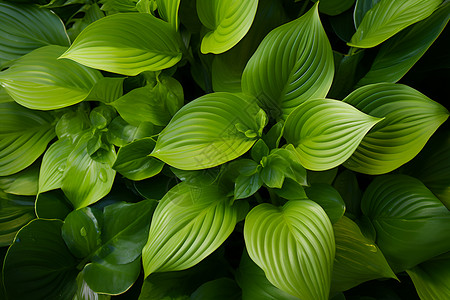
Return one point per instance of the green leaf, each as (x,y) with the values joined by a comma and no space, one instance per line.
(210,131)
(292,64)
(328,198)
(273,171)
(4,96)
(357,259)
(121,133)
(84,292)
(301,231)
(89,14)
(39,80)
(387,17)
(73,124)
(432,278)
(25,28)
(24,135)
(168,11)
(188,225)
(113,44)
(15,212)
(228,22)
(220,289)
(23,183)
(86,180)
(412,225)
(361,8)
(291,190)
(397,55)
(133,160)
(38,264)
(53,205)
(346,184)
(247,185)
(334,7)
(410,118)
(259,150)
(326,132)
(106,90)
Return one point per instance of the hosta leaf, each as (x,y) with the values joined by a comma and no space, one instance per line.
(326,132)
(334,7)
(39,80)
(357,259)
(228,22)
(73,124)
(23,183)
(84,292)
(328,198)
(89,13)
(361,8)
(400,53)
(168,10)
(410,118)
(432,278)
(346,184)
(293,63)
(221,289)
(387,17)
(53,205)
(24,135)
(25,28)
(412,225)
(38,264)
(188,225)
(113,44)
(300,231)
(106,90)
(210,131)
(86,180)
(121,133)
(4,96)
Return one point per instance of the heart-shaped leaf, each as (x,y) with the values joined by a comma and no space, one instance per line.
(412,225)
(292,64)
(210,131)
(410,118)
(388,17)
(326,132)
(27,27)
(112,44)
(228,22)
(189,224)
(168,10)
(299,231)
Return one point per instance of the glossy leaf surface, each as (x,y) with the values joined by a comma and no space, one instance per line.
(168,10)
(328,198)
(23,183)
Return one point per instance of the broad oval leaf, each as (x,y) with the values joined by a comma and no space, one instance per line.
(412,225)
(112,44)
(38,264)
(39,80)
(326,132)
(210,131)
(410,118)
(292,64)
(168,10)
(294,245)
(328,198)
(189,224)
(25,28)
(228,22)
(388,17)
(358,259)
(24,135)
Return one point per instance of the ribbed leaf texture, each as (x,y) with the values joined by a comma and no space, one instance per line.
(228,20)
(326,132)
(292,64)
(361,8)
(168,11)
(294,245)
(410,118)
(113,44)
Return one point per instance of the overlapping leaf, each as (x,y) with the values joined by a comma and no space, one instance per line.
(388,17)
(39,80)
(328,198)
(410,118)
(292,64)
(168,10)
(210,131)
(334,7)
(361,8)
(326,132)
(113,44)
(300,231)
(228,21)
(23,183)
(25,28)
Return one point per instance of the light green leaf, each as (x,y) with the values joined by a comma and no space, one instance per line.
(410,118)
(4,96)
(53,205)
(220,289)
(168,11)
(326,132)
(273,171)
(115,6)
(388,17)
(328,198)
(121,133)
(247,185)
(86,180)
(24,135)
(39,80)
(210,131)
(228,22)
(300,231)
(73,124)
(357,259)
(188,225)
(25,28)
(106,90)
(38,264)
(412,225)
(432,278)
(23,183)
(113,44)
(361,8)
(259,150)
(334,7)
(292,64)
(401,52)
(84,292)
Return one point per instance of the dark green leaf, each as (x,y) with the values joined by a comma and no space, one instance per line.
(259,150)
(328,198)
(53,205)
(346,183)
(361,8)
(121,133)
(220,289)
(334,7)
(247,185)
